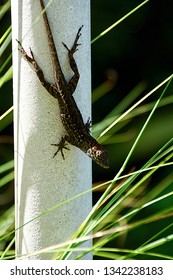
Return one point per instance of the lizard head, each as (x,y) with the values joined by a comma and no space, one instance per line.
(97,153)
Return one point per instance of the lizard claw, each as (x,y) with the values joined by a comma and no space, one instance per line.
(61,145)
(88,125)
(75,44)
(65,46)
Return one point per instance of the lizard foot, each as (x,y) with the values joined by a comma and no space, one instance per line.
(61,145)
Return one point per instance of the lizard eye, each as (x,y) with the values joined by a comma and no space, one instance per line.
(99,155)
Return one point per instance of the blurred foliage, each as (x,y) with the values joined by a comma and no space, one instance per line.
(139,54)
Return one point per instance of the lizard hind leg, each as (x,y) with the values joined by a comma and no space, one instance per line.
(30,58)
(61,145)
(75,44)
(74,80)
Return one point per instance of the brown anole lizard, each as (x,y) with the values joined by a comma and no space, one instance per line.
(78,133)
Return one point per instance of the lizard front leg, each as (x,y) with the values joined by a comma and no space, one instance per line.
(61,145)
(49,87)
(88,125)
(74,80)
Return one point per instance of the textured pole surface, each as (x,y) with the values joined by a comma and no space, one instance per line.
(42,181)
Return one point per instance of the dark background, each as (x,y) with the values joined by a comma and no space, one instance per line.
(139,49)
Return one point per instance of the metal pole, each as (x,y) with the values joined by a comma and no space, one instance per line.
(41,181)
